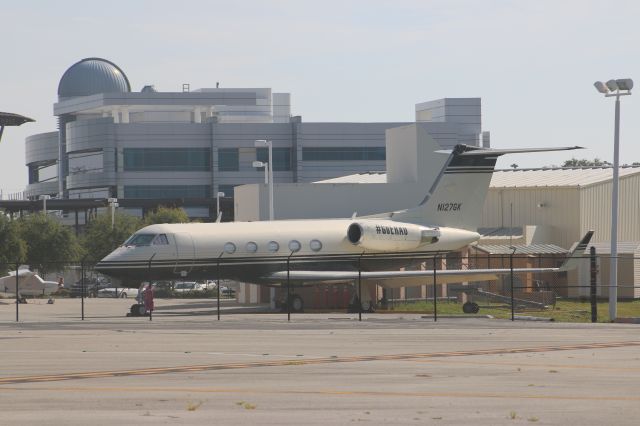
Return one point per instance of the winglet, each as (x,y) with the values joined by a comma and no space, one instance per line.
(578,253)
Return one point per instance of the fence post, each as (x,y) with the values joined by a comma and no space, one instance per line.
(288,289)
(594,275)
(513,314)
(360,287)
(17,297)
(218,282)
(435,290)
(82,281)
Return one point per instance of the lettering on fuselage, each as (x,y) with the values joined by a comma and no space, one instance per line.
(449,207)
(391,230)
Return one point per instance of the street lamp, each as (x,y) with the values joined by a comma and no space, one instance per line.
(261,143)
(617,88)
(218,195)
(113,203)
(44,199)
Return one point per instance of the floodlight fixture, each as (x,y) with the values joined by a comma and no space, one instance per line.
(258,164)
(601,87)
(11,119)
(221,194)
(612,85)
(624,83)
(261,142)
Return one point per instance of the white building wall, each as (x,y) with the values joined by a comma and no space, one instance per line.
(555,208)
(595,209)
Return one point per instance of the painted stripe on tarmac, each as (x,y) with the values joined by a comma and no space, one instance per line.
(299,361)
(329,392)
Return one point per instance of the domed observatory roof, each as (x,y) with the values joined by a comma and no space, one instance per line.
(91,76)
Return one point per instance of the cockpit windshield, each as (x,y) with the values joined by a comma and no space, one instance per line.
(140,240)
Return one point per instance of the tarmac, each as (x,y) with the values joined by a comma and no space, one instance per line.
(187,367)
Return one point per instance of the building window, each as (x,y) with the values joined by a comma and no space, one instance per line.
(86,162)
(281,158)
(167,191)
(228,160)
(343,154)
(43,172)
(167,159)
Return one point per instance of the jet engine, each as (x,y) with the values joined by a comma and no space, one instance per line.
(388,235)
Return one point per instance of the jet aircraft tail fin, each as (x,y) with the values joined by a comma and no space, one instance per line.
(457,195)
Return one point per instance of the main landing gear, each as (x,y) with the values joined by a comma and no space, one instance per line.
(295,302)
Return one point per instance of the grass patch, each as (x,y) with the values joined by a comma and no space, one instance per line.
(564,310)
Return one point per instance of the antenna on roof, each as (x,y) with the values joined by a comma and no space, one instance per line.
(217,84)
(186,87)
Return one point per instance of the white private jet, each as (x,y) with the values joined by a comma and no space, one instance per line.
(257,252)
(29,284)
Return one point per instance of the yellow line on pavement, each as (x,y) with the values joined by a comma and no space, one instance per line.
(299,362)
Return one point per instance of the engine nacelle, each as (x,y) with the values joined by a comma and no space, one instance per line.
(388,235)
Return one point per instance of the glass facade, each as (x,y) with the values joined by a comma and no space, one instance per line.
(343,154)
(228,160)
(91,193)
(281,158)
(167,191)
(86,162)
(167,159)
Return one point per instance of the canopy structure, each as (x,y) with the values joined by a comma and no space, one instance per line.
(11,119)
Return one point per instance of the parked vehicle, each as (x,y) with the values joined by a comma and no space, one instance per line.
(91,287)
(122,293)
(184,286)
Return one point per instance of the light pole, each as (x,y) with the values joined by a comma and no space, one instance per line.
(268,179)
(44,199)
(261,143)
(218,195)
(617,88)
(113,203)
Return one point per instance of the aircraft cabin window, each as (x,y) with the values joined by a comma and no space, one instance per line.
(229,248)
(315,245)
(252,247)
(274,246)
(140,240)
(294,245)
(161,240)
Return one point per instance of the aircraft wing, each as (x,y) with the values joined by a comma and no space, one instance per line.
(421,277)
(399,278)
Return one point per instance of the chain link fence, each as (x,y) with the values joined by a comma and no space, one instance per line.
(579,294)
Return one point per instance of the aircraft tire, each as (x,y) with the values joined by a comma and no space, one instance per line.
(470,308)
(296,303)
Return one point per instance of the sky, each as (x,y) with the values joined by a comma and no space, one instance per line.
(533,63)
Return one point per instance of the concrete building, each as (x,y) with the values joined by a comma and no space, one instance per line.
(114,142)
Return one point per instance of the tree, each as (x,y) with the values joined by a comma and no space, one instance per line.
(166,215)
(596,162)
(12,248)
(50,244)
(100,239)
